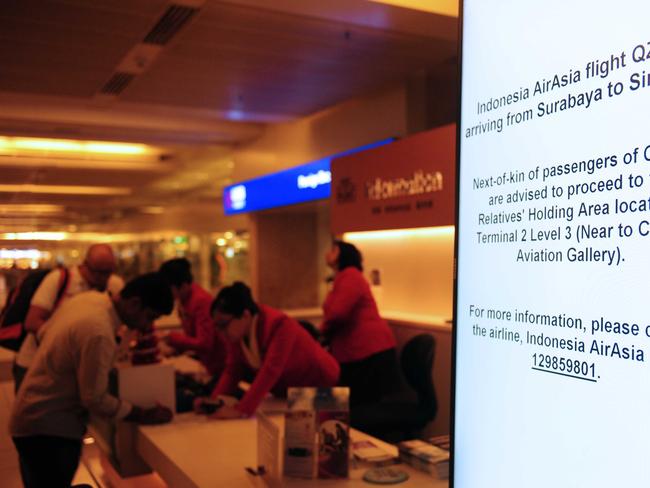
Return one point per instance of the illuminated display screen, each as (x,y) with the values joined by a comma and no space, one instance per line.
(303,183)
(552,336)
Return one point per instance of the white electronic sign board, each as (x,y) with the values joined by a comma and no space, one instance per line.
(553,281)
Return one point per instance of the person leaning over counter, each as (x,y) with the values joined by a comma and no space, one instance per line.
(199,334)
(360,339)
(68,378)
(271,345)
(95,273)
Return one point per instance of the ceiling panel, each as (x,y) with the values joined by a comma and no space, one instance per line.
(234,60)
(226,57)
(68,48)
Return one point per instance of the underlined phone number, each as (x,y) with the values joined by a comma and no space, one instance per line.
(565,366)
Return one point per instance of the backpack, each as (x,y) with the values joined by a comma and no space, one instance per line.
(12,329)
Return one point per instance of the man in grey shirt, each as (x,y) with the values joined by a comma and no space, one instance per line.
(68,378)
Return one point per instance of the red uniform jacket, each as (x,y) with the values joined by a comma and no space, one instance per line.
(290,357)
(351,320)
(199,333)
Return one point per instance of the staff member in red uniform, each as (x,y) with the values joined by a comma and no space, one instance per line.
(266,342)
(359,338)
(199,334)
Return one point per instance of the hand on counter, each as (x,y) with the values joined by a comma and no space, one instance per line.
(166,349)
(226,413)
(150,416)
(199,404)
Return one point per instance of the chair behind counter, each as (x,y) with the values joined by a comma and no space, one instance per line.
(395,421)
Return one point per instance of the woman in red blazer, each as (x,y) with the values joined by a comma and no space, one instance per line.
(359,338)
(263,341)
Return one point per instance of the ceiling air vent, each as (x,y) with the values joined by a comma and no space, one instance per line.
(169,24)
(118,82)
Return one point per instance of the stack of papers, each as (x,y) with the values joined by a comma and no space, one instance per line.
(425,457)
(368,452)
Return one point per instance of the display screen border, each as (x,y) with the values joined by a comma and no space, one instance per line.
(454,331)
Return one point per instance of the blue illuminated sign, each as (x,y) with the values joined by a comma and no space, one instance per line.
(295,185)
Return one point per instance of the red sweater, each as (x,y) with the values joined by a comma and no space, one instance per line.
(199,333)
(351,319)
(290,357)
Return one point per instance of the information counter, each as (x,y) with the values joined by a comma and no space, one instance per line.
(196,452)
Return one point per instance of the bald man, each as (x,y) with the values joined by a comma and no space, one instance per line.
(95,273)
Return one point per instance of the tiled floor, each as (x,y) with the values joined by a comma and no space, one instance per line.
(9,472)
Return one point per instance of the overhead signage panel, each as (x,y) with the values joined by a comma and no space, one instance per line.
(303,183)
(410,183)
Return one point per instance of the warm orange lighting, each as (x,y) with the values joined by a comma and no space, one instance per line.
(400,233)
(152,210)
(115,148)
(20,254)
(89,236)
(33,236)
(34,208)
(59,161)
(72,146)
(442,7)
(65,189)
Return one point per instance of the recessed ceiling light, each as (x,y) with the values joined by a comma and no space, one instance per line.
(59,161)
(34,236)
(72,146)
(152,210)
(34,208)
(442,7)
(425,232)
(65,189)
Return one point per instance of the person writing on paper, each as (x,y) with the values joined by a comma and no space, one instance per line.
(360,340)
(199,334)
(268,344)
(68,378)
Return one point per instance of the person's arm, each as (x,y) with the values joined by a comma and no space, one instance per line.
(36,316)
(340,302)
(233,373)
(42,304)
(203,341)
(94,364)
(273,365)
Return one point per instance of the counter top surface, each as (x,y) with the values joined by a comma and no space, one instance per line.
(305,312)
(405,318)
(196,452)
(419,320)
